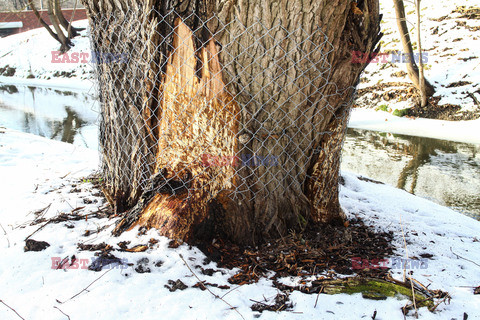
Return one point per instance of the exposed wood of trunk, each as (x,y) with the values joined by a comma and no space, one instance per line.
(412,68)
(198,100)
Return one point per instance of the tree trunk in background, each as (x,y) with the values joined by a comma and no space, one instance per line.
(72,31)
(56,19)
(42,22)
(185,94)
(412,68)
(421,77)
(65,43)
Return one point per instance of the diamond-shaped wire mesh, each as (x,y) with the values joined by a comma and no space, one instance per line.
(155,107)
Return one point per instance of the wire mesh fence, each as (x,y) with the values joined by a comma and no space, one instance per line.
(224,106)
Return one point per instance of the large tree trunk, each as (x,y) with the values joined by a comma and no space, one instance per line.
(273,79)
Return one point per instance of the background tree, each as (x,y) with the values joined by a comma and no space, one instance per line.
(19,4)
(57,20)
(425,88)
(71,31)
(187,90)
(421,77)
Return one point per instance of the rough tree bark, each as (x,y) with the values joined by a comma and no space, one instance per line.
(412,68)
(183,75)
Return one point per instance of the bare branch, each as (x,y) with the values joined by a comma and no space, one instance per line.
(84,289)
(213,294)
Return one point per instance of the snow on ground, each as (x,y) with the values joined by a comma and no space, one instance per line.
(30,54)
(460,131)
(38,173)
(41,172)
(448,40)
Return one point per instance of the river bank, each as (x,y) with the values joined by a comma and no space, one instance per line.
(58,184)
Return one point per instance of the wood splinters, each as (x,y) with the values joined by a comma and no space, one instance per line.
(355,9)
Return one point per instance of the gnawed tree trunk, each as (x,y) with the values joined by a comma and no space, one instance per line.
(273,79)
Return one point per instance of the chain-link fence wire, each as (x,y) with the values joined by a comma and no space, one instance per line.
(245,115)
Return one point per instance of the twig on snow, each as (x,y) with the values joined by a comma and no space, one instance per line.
(231,290)
(41,227)
(5,232)
(440,302)
(85,289)
(413,297)
(66,315)
(69,217)
(471,95)
(41,212)
(318,295)
(213,294)
(460,257)
(405,269)
(12,310)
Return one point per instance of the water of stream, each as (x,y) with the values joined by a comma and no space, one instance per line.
(443,171)
(68,116)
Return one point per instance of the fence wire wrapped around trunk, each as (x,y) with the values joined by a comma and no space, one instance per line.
(224,109)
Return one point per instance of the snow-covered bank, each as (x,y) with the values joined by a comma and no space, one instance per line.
(59,83)
(41,173)
(460,131)
(30,55)
(31,167)
(449,32)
